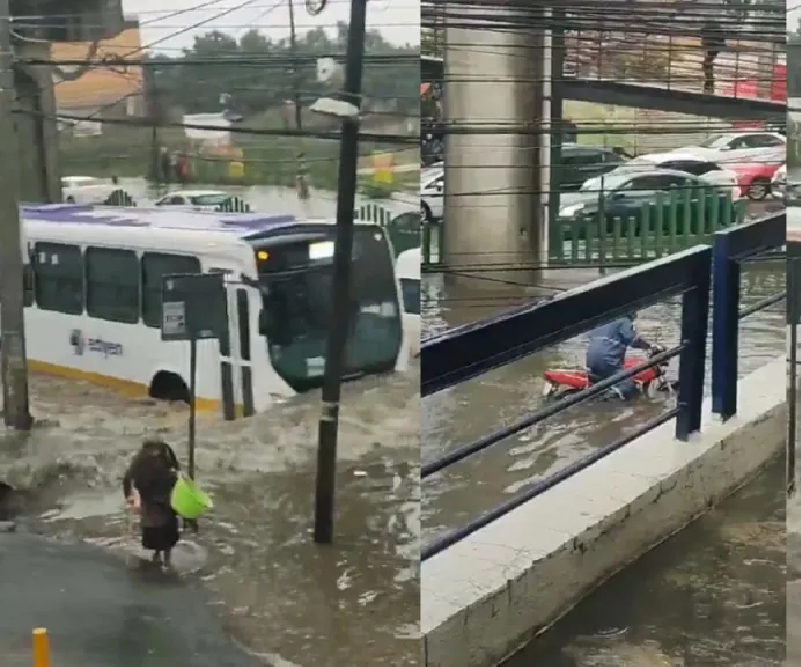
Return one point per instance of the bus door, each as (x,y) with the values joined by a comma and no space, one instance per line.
(240,327)
(235,401)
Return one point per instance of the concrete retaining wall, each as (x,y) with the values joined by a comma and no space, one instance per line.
(484,598)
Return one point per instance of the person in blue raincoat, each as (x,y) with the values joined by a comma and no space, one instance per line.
(606,353)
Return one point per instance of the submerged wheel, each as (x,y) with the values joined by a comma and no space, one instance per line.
(548,389)
(758,189)
(649,389)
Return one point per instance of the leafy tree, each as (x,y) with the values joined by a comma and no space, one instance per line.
(257,88)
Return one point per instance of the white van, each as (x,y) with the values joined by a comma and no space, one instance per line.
(407,268)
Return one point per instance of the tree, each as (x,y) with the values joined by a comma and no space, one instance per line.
(258,88)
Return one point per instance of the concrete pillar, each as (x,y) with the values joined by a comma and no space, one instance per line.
(493,79)
(38,130)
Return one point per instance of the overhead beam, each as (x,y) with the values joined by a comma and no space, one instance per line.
(649,97)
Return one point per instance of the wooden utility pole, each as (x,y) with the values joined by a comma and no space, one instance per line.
(13,363)
(301,180)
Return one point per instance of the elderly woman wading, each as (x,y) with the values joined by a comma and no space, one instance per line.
(153,473)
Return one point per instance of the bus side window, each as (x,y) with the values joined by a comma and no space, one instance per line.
(112,285)
(59,278)
(243,315)
(154,266)
(27,285)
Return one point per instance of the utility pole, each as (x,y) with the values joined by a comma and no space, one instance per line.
(13,364)
(301,180)
(153,112)
(343,255)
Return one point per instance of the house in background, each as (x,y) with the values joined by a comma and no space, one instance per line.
(102,91)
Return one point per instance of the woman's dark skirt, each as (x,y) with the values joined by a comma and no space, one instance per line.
(161,538)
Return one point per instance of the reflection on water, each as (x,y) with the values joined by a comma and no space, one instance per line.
(712,595)
(354,603)
(460,415)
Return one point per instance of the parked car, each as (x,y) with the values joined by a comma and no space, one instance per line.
(580,163)
(703,168)
(86,189)
(756,178)
(198,200)
(778,184)
(432,192)
(623,193)
(745,146)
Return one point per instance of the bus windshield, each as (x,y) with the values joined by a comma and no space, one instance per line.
(296,279)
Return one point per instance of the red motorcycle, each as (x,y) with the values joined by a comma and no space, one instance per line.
(562,381)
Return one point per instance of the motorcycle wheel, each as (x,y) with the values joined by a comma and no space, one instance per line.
(649,389)
(548,389)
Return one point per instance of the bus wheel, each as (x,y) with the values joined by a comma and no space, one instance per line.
(168,386)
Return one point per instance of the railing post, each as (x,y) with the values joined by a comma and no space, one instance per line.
(694,318)
(725,327)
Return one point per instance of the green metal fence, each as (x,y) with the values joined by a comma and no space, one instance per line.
(673,222)
(403,229)
(233,205)
(119,198)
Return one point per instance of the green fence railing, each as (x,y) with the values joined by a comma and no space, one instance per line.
(119,198)
(233,205)
(403,229)
(672,222)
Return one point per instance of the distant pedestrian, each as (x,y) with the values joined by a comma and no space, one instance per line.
(182,169)
(713,40)
(152,475)
(166,167)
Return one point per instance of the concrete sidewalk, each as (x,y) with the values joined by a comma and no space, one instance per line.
(101,612)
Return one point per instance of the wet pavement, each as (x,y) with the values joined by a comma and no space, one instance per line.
(460,415)
(101,611)
(713,594)
(253,561)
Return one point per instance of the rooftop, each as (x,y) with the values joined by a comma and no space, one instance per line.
(239,224)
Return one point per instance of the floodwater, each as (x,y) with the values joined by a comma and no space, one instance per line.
(712,595)
(460,415)
(280,595)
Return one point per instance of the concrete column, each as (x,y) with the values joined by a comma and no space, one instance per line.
(38,130)
(493,79)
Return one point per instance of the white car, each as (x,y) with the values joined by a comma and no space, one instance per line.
(86,189)
(778,184)
(196,200)
(432,191)
(746,146)
(696,165)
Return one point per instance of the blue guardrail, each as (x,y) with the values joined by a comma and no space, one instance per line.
(466,352)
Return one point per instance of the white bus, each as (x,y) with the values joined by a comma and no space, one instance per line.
(93,301)
(407,267)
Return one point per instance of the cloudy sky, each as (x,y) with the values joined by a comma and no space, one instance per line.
(398,20)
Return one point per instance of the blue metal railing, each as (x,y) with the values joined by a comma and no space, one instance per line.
(466,352)
(731,248)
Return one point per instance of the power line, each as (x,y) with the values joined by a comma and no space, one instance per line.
(373,137)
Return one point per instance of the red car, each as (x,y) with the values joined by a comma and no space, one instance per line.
(754,178)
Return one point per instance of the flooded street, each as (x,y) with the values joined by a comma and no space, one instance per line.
(268,199)
(287,600)
(712,595)
(462,414)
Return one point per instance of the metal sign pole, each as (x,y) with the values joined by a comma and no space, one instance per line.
(192,403)
(192,308)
